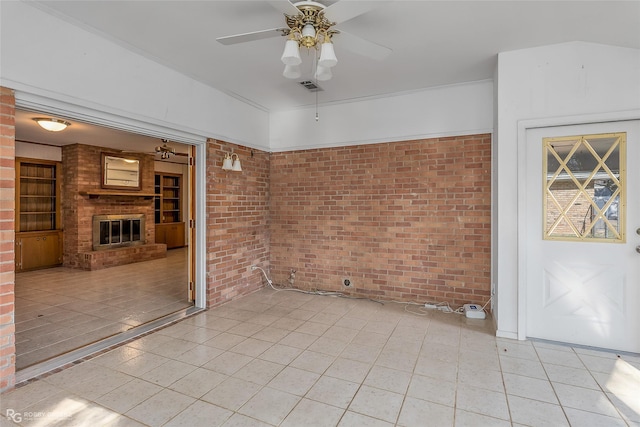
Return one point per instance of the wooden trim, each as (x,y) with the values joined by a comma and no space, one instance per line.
(95,194)
(192,222)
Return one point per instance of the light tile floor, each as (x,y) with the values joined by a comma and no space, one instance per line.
(60,309)
(291,359)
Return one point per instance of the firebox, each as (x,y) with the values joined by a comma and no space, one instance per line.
(116,231)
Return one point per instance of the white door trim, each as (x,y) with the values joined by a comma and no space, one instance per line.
(523,127)
(98,115)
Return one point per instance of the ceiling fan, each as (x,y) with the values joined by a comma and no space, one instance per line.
(311,24)
(165,151)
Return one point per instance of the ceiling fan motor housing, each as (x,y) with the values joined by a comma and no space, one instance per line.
(310,24)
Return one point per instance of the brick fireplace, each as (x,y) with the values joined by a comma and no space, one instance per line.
(81,165)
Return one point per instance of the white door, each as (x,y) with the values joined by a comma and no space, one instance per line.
(583,234)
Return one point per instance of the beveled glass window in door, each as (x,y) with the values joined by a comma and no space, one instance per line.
(584,187)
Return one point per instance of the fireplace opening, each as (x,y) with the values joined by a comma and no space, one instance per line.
(115,231)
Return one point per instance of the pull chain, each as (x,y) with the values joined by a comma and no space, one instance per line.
(315,78)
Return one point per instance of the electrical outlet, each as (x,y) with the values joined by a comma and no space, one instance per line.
(347,282)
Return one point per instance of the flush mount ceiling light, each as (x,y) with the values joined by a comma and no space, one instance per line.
(52,125)
(310,25)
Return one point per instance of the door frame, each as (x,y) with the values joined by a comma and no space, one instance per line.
(149,127)
(523,127)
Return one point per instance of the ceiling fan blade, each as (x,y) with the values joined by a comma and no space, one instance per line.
(345,9)
(255,35)
(361,46)
(284,6)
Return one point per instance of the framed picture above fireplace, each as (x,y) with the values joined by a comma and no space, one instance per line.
(120,172)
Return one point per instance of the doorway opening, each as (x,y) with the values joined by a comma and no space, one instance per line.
(81,294)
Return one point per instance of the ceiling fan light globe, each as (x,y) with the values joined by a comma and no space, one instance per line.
(292,71)
(328,57)
(291,54)
(308,31)
(308,36)
(323,73)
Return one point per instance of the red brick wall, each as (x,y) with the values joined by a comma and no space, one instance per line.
(81,169)
(7,238)
(404,221)
(237,222)
(580,213)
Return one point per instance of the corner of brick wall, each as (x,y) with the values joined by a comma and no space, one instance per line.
(7,239)
(405,221)
(237,232)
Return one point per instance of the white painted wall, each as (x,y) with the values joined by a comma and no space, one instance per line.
(43,55)
(462,109)
(38,151)
(545,84)
(170,167)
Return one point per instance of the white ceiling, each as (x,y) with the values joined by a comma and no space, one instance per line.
(27,130)
(433,43)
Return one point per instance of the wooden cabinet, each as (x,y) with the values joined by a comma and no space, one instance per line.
(38,249)
(172,234)
(168,210)
(38,220)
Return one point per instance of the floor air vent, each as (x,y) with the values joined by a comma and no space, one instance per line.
(311,86)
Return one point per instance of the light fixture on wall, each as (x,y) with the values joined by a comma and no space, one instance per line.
(310,29)
(52,125)
(231,164)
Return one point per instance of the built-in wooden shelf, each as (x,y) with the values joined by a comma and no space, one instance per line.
(168,210)
(94,194)
(38,237)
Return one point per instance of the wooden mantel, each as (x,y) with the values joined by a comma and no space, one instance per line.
(95,194)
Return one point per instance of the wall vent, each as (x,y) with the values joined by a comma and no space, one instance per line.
(311,86)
